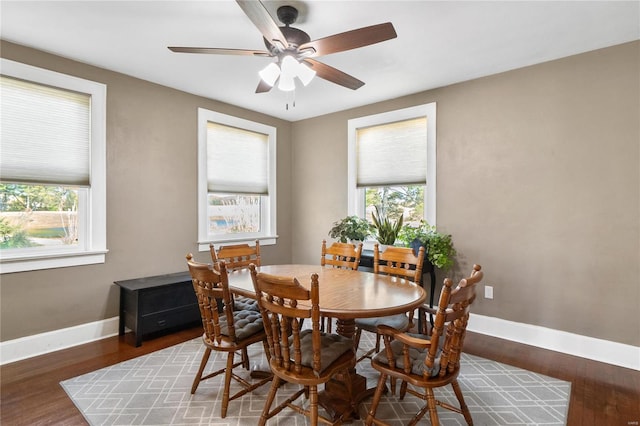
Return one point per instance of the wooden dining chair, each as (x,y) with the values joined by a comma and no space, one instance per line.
(400,262)
(338,255)
(298,355)
(227,331)
(429,362)
(341,255)
(238,256)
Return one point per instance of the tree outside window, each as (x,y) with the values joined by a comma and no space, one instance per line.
(38,215)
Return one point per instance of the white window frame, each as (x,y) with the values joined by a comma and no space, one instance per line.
(93,223)
(268,235)
(356,195)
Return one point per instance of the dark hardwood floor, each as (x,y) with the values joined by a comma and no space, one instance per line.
(601,394)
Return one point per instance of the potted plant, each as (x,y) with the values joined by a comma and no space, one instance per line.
(439,247)
(350,228)
(386,229)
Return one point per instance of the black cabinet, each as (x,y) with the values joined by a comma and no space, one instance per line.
(156,304)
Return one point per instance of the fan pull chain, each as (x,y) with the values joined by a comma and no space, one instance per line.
(291,95)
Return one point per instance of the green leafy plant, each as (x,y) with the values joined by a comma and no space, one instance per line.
(350,228)
(439,247)
(386,229)
(12,236)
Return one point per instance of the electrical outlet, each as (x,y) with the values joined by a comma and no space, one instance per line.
(488,292)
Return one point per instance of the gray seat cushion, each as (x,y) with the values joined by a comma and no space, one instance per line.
(416,357)
(247,323)
(399,322)
(332,347)
(241,303)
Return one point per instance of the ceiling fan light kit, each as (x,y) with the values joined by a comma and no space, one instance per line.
(295,51)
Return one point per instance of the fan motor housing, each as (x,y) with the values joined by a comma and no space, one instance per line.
(294,36)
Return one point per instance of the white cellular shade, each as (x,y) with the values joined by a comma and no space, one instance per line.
(237,160)
(45,134)
(392,154)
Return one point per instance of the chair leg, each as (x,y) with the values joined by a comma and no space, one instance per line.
(377,342)
(422,318)
(227,384)
(325,324)
(431,403)
(463,406)
(203,364)
(376,399)
(245,359)
(275,384)
(313,404)
(403,389)
(356,339)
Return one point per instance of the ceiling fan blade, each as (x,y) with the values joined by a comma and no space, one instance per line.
(262,87)
(350,39)
(334,75)
(261,18)
(217,51)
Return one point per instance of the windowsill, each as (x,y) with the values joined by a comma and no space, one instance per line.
(264,241)
(50,261)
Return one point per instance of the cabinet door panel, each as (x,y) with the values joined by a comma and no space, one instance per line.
(170,319)
(167,297)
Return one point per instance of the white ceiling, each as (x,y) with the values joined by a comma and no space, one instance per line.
(438,43)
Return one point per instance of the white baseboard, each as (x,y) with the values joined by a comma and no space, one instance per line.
(560,341)
(39,344)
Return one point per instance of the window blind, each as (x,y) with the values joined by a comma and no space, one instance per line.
(237,160)
(45,136)
(392,154)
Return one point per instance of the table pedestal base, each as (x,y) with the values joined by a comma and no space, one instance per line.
(336,398)
(337,401)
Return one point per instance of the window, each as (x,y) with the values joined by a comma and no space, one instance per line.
(236,180)
(392,164)
(52,169)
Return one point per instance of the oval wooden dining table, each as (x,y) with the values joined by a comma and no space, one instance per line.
(344,295)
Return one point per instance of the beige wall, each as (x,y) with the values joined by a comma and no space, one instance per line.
(538,180)
(151,201)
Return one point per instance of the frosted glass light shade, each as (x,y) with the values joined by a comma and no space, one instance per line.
(289,71)
(305,73)
(286,83)
(270,73)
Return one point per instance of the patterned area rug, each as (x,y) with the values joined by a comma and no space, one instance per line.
(154,389)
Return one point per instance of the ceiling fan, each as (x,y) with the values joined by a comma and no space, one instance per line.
(294,49)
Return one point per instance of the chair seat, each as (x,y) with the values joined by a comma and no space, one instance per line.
(416,356)
(398,321)
(246,323)
(332,347)
(242,303)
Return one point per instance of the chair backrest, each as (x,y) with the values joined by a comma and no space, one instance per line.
(285,304)
(451,321)
(341,255)
(399,262)
(237,256)
(212,286)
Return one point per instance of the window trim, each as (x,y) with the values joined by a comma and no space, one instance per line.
(356,195)
(269,235)
(94,226)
